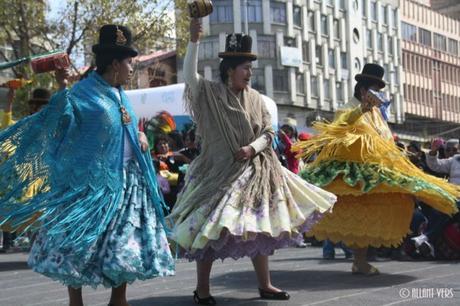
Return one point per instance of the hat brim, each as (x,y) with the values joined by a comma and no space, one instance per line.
(367,77)
(249,56)
(98,49)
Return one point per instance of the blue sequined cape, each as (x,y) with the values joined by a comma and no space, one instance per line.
(71,155)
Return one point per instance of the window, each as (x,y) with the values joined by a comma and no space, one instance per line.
(258,80)
(343,60)
(330,2)
(374,11)
(409,32)
(215,75)
(306,52)
(339,93)
(311,22)
(369,38)
(324,25)
(319,56)
(289,42)
(440,42)
(390,46)
(300,84)
(380,42)
(222,13)
(383,14)
(364,3)
(386,76)
(297,16)
(208,50)
(327,92)
(424,37)
(254,10)
(453,46)
(342,4)
(395,18)
(266,47)
(280,80)
(278,12)
(331,58)
(336,29)
(314,86)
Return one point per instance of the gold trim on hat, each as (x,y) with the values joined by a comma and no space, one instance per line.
(121,39)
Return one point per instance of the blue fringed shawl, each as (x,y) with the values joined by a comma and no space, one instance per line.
(71,153)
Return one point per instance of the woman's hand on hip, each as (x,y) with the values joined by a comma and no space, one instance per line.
(245,153)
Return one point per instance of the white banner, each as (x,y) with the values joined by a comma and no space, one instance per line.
(291,57)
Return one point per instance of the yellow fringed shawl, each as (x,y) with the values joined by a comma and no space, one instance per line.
(366,139)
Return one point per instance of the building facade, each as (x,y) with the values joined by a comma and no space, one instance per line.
(310,50)
(155,69)
(431,62)
(450,8)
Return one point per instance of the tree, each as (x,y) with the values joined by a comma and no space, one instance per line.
(26,27)
(150,20)
(23,27)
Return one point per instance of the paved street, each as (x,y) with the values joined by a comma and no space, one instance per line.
(309,279)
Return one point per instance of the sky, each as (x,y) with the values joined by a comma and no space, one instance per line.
(55,5)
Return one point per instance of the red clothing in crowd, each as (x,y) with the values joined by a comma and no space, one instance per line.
(292,161)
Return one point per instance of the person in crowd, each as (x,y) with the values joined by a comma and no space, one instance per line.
(237,199)
(6,119)
(437,220)
(40,98)
(101,214)
(288,136)
(358,160)
(191,150)
(6,115)
(329,250)
(451,147)
(169,166)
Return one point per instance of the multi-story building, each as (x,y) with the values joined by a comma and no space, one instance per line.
(310,50)
(155,69)
(450,8)
(431,62)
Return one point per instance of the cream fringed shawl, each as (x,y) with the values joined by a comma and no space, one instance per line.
(226,123)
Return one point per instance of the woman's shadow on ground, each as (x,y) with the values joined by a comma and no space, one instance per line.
(308,280)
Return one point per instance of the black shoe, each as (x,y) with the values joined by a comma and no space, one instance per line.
(203,301)
(267,295)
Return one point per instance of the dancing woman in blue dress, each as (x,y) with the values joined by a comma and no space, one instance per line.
(95,197)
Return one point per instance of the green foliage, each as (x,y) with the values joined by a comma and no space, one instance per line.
(27,28)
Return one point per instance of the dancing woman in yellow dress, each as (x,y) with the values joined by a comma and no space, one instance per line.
(376,184)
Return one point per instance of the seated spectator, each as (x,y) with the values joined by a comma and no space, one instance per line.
(168,159)
(169,164)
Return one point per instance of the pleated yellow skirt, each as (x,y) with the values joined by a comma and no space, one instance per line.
(367,220)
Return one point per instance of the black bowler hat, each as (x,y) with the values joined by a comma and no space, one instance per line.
(372,73)
(40,96)
(115,39)
(238,45)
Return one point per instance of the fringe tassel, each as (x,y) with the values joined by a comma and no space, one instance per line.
(360,143)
